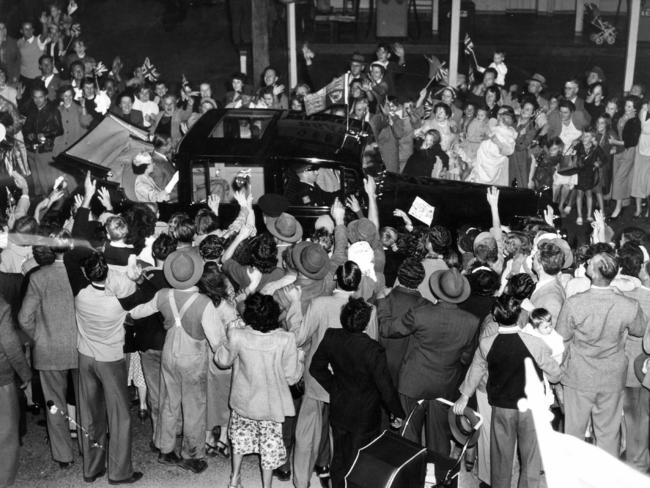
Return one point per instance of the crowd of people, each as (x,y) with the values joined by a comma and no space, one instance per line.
(256,336)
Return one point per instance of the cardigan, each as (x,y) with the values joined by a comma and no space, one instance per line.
(264,365)
(48,316)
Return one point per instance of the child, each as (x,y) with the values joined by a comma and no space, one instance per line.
(116,251)
(589,157)
(540,324)
(498,64)
(423,162)
(545,160)
(478,131)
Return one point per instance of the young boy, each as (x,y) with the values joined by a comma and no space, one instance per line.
(501,355)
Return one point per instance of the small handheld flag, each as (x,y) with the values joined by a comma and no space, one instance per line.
(149,71)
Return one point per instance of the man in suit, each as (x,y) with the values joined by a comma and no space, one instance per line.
(51,81)
(548,261)
(594,325)
(358,383)
(441,344)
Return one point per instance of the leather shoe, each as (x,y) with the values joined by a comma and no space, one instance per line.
(282,474)
(136,476)
(195,465)
(64,464)
(170,458)
(91,479)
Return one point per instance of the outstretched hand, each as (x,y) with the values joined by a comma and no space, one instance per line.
(549,216)
(493,196)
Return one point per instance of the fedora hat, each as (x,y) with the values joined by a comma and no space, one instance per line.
(358,58)
(538,78)
(272,204)
(462,426)
(310,259)
(285,227)
(449,285)
(183,268)
(363,230)
(566,250)
(638,366)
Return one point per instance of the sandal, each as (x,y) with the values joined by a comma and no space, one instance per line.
(219,448)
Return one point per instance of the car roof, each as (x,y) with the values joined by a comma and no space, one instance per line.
(284,135)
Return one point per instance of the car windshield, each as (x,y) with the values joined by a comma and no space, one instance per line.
(242,126)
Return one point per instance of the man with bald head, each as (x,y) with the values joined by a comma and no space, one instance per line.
(595,325)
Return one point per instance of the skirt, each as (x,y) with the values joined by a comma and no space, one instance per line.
(263,437)
(135,371)
(641,176)
(622,178)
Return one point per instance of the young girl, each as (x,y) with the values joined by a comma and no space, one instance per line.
(545,160)
(589,159)
(478,131)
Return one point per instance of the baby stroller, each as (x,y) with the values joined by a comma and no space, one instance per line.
(606,32)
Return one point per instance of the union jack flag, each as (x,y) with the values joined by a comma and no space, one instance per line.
(149,71)
(469,45)
(75,30)
(100,69)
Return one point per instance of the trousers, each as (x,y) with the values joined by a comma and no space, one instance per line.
(485,410)
(55,389)
(511,428)
(9,442)
(346,447)
(636,407)
(312,446)
(605,410)
(150,360)
(103,396)
(433,416)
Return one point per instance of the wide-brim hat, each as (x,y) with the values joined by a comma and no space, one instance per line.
(538,78)
(310,260)
(449,286)
(566,250)
(285,227)
(462,426)
(638,366)
(485,238)
(183,268)
(273,204)
(362,230)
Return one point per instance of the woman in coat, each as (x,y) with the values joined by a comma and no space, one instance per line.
(265,361)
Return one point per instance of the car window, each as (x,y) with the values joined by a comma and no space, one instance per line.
(311,185)
(241,126)
(214,178)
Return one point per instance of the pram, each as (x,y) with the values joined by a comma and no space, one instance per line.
(606,32)
(391,461)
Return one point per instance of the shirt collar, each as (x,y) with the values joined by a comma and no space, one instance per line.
(509,329)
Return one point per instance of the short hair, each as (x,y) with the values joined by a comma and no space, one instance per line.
(506,310)
(495,90)
(212,247)
(538,316)
(517,243)
(213,283)
(551,257)
(127,94)
(566,104)
(205,221)
(443,106)
(607,265)
(163,246)
(26,225)
(484,281)
(634,234)
(411,273)
(261,312)
(436,135)
(355,315)
(555,141)
(43,255)
(348,276)
(520,286)
(439,238)
(39,87)
(95,267)
(88,81)
(490,70)
(116,228)
(62,241)
(636,101)
(44,57)
(466,236)
(264,253)
(630,259)
(185,231)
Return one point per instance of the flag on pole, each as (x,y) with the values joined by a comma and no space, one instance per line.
(469,45)
(149,71)
(100,69)
(332,94)
(75,30)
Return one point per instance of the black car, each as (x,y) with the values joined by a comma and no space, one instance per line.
(277,148)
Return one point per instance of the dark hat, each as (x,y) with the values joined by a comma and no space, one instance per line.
(358,58)
(183,268)
(272,204)
(285,227)
(538,78)
(310,259)
(362,230)
(638,366)
(463,427)
(449,285)
(411,273)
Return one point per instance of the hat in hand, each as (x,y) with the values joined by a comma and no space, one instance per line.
(285,227)
(449,286)
(310,260)
(272,204)
(183,269)
(463,427)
